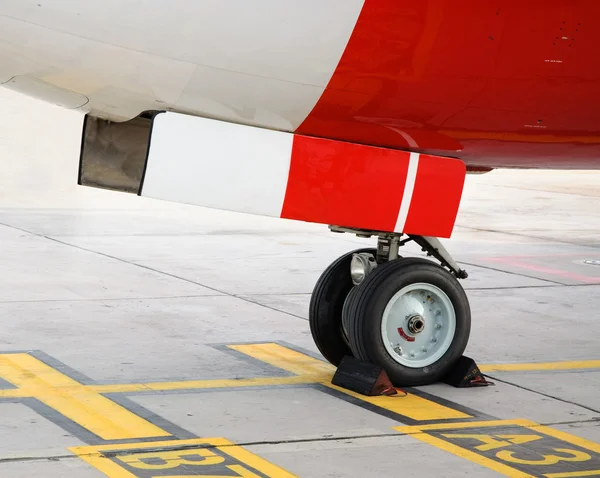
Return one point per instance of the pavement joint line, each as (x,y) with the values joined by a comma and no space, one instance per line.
(552,397)
(539,238)
(152,269)
(396,433)
(495,269)
(111,299)
(37,458)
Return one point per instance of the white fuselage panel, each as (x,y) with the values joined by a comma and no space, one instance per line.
(260,62)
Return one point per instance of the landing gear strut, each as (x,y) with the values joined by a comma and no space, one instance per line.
(408,315)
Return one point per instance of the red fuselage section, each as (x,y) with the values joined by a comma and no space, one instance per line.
(495,83)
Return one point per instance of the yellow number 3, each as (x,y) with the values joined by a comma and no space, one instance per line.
(574,455)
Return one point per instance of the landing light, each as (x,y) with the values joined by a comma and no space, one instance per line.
(360,266)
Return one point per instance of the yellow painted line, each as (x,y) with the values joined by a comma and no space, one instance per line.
(563,436)
(574,474)
(410,406)
(319,370)
(420,432)
(197,384)
(520,422)
(115,448)
(94,456)
(105,465)
(77,402)
(471,456)
(255,462)
(413,429)
(525,367)
(13,393)
(287,359)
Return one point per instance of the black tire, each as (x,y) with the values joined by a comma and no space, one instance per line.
(365,313)
(325,310)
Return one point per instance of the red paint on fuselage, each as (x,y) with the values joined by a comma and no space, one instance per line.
(498,83)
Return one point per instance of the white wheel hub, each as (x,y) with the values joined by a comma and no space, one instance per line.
(418,325)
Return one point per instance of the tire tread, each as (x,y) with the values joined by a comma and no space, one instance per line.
(361,330)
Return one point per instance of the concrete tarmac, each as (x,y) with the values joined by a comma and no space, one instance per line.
(143,339)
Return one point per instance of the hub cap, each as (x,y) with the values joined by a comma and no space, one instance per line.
(418,325)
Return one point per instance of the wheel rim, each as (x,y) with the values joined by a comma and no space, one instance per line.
(418,325)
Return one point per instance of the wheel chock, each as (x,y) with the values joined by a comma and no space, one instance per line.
(466,374)
(362,377)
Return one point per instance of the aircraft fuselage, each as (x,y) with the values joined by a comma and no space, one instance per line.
(496,84)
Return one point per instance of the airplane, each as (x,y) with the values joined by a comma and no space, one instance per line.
(361,115)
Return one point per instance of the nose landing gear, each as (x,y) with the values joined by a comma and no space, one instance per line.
(408,315)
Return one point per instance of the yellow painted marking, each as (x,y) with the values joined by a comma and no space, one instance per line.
(574,474)
(13,393)
(411,406)
(410,430)
(308,370)
(85,405)
(93,456)
(563,436)
(98,449)
(532,367)
(240,470)
(197,384)
(471,456)
(520,439)
(564,454)
(320,372)
(103,464)
(572,455)
(520,422)
(171,459)
(256,462)
(287,359)
(491,442)
(488,441)
(77,402)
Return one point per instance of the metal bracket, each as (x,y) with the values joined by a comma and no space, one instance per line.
(434,247)
(391,242)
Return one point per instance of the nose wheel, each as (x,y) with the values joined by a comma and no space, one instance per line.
(410,316)
(326,305)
